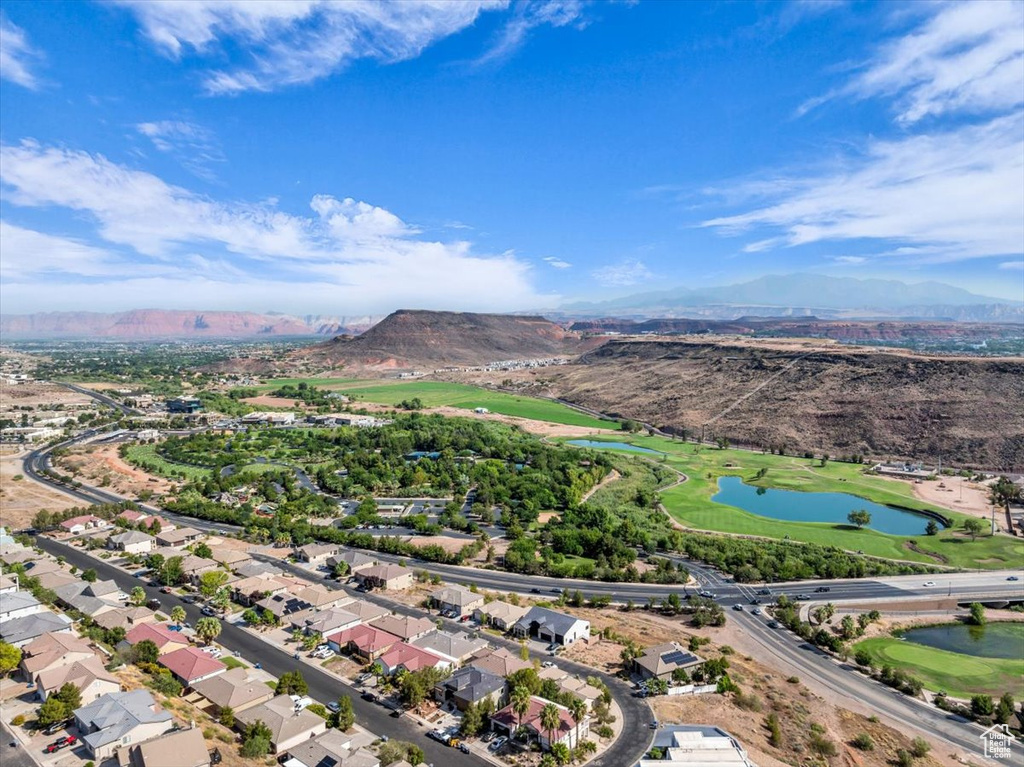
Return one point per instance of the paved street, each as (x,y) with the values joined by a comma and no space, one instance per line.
(322,686)
(15,756)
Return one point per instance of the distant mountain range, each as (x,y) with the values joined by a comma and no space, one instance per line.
(798,295)
(151,324)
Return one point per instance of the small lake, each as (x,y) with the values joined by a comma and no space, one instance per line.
(993,640)
(613,446)
(796,506)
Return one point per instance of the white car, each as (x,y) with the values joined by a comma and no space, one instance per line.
(929,583)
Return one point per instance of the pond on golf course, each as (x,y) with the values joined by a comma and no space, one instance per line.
(797,506)
(599,444)
(993,640)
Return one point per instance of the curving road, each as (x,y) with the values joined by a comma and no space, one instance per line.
(101,398)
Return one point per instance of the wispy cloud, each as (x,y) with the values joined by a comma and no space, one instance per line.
(17,56)
(194,146)
(557,263)
(1013,266)
(622,274)
(967,58)
(850,260)
(173,243)
(946,193)
(291,42)
(528,15)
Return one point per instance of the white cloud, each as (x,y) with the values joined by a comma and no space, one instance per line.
(967,58)
(347,255)
(17,56)
(194,146)
(1013,266)
(622,274)
(850,260)
(24,253)
(945,196)
(557,263)
(528,15)
(291,42)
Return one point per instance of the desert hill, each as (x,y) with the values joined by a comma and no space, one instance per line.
(143,324)
(815,397)
(410,338)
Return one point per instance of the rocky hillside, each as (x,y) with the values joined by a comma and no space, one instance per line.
(417,338)
(142,324)
(839,401)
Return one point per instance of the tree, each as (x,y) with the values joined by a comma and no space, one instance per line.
(227,716)
(138,596)
(981,705)
(472,721)
(344,717)
(550,720)
(171,574)
(10,657)
(931,528)
(89,576)
(973,527)
(859,518)
(211,581)
(70,696)
(251,617)
(341,569)
(256,741)
(145,651)
(155,561)
(178,614)
(977,616)
(291,683)
(578,709)
(53,711)
(520,703)
(208,629)
(561,753)
(202,550)
(1005,708)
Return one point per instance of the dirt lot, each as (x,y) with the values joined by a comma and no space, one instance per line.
(20,499)
(101,465)
(39,395)
(266,400)
(958,494)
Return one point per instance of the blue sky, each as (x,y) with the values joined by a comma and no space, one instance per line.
(352,158)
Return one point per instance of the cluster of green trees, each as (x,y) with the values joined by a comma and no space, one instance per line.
(60,706)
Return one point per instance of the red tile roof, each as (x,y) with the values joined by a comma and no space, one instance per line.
(410,657)
(190,663)
(156,633)
(366,639)
(531,718)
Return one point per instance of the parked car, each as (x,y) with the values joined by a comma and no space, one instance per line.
(653,724)
(165,589)
(369,696)
(189,599)
(333,706)
(207,610)
(66,742)
(464,748)
(497,744)
(153,604)
(57,727)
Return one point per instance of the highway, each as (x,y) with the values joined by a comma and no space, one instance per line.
(323,687)
(789,652)
(99,397)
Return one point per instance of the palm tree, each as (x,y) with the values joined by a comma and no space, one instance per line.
(550,719)
(578,709)
(177,614)
(520,702)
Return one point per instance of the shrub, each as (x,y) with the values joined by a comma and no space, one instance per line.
(604,731)
(821,745)
(747,701)
(794,680)
(18,720)
(904,758)
(919,747)
(863,742)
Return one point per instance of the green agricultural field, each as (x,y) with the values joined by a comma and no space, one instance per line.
(146,457)
(439,393)
(959,675)
(690,503)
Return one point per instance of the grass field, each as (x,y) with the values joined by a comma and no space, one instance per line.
(146,455)
(439,393)
(690,504)
(959,675)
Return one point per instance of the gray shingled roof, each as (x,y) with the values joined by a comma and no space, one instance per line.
(31,626)
(116,714)
(559,623)
(472,684)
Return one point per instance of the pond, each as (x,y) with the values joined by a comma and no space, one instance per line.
(993,640)
(796,506)
(613,446)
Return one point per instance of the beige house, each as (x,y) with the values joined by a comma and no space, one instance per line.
(237,689)
(660,661)
(501,615)
(288,727)
(131,542)
(501,662)
(52,650)
(88,676)
(404,626)
(385,577)
(179,537)
(456,600)
(315,553)
(228,556)
(184,748)
(125,617)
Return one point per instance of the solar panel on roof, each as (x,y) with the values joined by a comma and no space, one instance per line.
(678,657)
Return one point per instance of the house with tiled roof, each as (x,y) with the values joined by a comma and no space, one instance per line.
(551,626)
(289,726)
(131,542)
(660,661)
(237,689)
(80,524)
(453,646)
(324,622)
(367,642)
(407,657)
(51,650)
(500,615)
(183,748)
(167,641)
(18,604)
(508,721)
(471,686)
(456,600)
(384,577)
(191,665)
(501,662)
(405,626)
(20,631)
(88,676)
(125,617)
